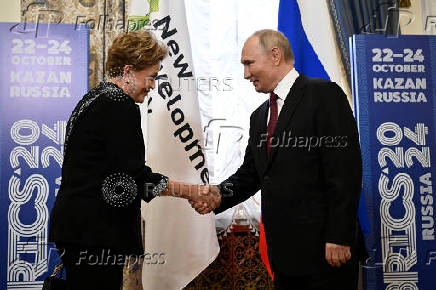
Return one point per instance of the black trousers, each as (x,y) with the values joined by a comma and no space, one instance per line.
(345,277)
(92,268)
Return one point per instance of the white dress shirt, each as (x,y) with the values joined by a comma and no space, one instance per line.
(282,90)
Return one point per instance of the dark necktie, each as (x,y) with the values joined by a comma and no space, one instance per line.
(273,115)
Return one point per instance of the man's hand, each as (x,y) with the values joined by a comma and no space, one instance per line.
(208,198)
(337,255)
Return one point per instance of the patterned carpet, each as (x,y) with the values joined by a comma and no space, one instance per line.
(238,265)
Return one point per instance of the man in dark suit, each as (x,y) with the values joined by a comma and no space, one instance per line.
(303,154)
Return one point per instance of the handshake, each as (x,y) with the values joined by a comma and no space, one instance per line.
(207,198)
(203,198)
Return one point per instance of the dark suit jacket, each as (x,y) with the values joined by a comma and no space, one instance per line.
(104,175)
(310,181)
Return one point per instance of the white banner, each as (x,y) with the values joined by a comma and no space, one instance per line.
(173,230)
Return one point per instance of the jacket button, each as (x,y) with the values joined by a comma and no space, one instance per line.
(266,177)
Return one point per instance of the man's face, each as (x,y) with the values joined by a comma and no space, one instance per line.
(142,81)
(258,66)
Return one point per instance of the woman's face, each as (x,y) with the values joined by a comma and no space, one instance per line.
(140,82)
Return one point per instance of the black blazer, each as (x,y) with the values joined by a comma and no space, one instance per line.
(310,181)
(103,175)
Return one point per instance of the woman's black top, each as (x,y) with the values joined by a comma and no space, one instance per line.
(104,176)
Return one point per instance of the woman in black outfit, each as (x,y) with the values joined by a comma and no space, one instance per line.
(95,221)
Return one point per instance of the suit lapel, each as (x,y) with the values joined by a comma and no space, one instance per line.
(261,131)
(292,100)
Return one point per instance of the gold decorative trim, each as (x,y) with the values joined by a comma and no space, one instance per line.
(404,3)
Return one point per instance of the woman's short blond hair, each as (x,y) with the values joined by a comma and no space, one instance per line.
(269,38)
(139,49)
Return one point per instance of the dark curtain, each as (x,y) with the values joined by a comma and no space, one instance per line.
(362,17)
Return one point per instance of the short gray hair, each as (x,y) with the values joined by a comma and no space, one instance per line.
(269,38)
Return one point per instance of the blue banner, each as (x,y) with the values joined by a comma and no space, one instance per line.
(394,89)
(43,74)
